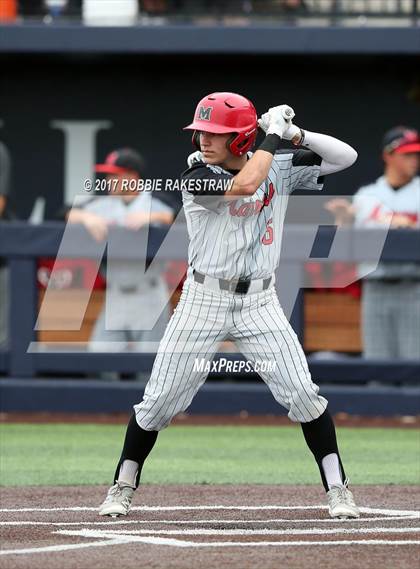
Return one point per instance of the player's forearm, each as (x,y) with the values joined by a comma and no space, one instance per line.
(256,169)
(161,217)
(252,174)
(76,215)
(336,155)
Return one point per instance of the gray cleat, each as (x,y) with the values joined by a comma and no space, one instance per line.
(341,503)
(117,501)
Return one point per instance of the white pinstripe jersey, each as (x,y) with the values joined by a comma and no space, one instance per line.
(242,238)
(373,203)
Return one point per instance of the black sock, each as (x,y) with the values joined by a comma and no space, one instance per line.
(137,445)
(321,439)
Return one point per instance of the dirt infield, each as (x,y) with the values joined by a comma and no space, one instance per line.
(186,527)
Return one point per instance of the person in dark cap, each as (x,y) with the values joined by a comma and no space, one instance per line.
(122,161)
(391,290)
(123,323)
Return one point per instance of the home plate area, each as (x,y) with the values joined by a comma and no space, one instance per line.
(243,526)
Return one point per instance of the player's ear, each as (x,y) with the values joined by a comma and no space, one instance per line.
(196,139)
(385,156)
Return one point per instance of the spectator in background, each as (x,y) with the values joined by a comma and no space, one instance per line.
(391,293)
(282,7)
(154,7)
(296,7)
(124,319)
(5,215)
(39,8)
(375,7)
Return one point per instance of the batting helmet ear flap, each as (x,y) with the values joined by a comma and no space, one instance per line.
(240,142)
(230,140)
(196,139)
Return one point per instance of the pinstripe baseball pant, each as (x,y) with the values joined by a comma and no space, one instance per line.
(391,320)
(204,318)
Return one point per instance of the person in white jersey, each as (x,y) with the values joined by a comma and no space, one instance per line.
(391,291)
(234,205)
(124,322)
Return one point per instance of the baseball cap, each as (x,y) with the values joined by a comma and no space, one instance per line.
(401,140)
(120,161)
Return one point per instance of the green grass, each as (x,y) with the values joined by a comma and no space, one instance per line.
(86,454)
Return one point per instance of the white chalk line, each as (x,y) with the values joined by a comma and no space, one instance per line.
(365,510)
(183,543)
(212,521)
(60,548)
(118,537)
(167,508)
(240,532)
(179,543)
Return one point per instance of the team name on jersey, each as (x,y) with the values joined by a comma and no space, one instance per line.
(251,208)
(380,213)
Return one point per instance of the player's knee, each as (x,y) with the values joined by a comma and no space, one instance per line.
(306,405)
(153,421)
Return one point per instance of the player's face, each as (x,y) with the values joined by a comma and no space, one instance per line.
(213,147)
(406,165)
(123,184)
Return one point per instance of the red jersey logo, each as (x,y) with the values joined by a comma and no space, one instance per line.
(252,208)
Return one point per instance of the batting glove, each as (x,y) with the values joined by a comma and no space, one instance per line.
(278,120)
(194,158)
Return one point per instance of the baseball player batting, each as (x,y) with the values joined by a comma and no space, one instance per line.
(235,203)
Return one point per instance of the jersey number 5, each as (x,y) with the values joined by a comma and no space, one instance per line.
(268,234)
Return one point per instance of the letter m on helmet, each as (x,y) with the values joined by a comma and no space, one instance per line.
(204,113)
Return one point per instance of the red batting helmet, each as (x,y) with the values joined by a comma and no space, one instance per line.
(223,113)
